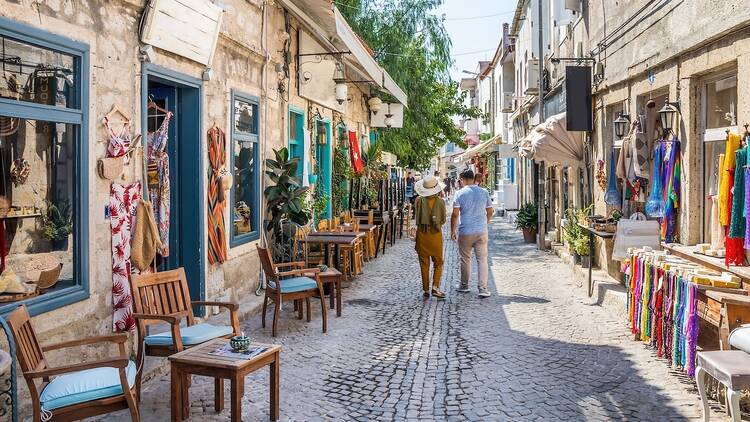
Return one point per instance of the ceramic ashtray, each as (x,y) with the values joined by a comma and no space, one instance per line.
(323,268)
(239,343)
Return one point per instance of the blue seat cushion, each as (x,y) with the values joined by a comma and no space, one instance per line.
(83,386)
(296,284)
(192,335)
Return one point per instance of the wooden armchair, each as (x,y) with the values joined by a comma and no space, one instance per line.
(79,390)
(164,297)
(296,284)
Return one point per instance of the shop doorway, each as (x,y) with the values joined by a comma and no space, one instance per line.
(172,125)
(323,161)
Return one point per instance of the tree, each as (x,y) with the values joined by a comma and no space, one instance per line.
(412,44)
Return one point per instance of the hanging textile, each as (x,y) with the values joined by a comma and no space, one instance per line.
(641,153)
(672,185)
(737,216)
(717,231)
(662,305)
(158,180)
(626,161)
(745,210)
(655,203)
(123,203)
(727,179)
(119,143)
(354,153)
(613,197)
(217,244)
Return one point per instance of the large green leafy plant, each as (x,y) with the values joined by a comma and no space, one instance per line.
(527,218)
(342,173)
(284,198)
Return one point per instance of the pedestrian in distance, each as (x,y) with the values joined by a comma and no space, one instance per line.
(448,186)
(472,211)
(431,215)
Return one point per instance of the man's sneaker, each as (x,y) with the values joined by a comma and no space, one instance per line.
(463,289)
(484,292)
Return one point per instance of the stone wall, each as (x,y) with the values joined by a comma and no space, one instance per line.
(110,28)
(667,52)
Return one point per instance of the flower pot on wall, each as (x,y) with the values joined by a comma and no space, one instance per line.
(585,262)
(529,236)
(312,178)
(60,244)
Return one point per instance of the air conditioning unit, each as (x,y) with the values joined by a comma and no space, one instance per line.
(508,104)
(573,5)
(532,77)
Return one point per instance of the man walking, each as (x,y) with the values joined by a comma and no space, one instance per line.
(472,205)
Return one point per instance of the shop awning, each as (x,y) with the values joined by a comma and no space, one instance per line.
(475,150)
(327,25)
(551,143)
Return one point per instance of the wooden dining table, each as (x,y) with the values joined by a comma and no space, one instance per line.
(335,239)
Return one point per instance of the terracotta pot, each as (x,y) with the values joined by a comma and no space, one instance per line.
(529,235)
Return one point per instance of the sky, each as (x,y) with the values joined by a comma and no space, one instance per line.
(475,27)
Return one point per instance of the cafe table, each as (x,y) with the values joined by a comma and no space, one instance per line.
(335,239)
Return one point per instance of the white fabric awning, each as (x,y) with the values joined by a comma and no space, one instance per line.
(552,143)
(475,150)
(325,22)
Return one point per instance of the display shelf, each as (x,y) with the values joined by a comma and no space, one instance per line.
(690,253)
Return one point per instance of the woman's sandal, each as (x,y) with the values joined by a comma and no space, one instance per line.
(437,294)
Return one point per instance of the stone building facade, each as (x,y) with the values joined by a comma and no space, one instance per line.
(253,72)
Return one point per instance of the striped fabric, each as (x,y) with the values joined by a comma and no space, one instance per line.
(217,243)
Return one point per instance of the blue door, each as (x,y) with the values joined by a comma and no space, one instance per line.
(187,202)
(323,161)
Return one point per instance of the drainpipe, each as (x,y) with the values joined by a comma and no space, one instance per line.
(264,129)
(542,212)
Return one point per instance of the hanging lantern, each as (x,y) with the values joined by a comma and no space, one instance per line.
(389,120)
(621,125)
(339,76)
(666,116)
(375,104)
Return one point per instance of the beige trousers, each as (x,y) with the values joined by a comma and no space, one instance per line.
(477,242)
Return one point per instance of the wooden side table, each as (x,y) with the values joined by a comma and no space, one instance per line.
(198,360)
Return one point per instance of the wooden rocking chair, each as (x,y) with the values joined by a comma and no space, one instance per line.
(80,390)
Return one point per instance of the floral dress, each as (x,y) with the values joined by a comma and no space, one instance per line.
(158,180)
(123,202)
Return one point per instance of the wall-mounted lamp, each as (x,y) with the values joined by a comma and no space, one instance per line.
(375,104)
(667,115)
(339,76)
(146,53)
(621,124)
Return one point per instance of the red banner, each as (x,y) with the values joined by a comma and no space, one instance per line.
(354,153)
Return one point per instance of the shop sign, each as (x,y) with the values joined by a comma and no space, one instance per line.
(189,28)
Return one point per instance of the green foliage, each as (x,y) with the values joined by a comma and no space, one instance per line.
(574,235)
(411,43)
(528,217)
(284,197)
(57,220)
(342,173)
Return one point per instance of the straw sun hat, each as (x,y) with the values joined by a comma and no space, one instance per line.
(429,186)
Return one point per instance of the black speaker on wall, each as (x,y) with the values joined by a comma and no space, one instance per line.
(578,98)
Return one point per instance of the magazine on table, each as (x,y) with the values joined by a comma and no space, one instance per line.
(227,352)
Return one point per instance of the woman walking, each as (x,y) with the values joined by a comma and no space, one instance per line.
(430,215)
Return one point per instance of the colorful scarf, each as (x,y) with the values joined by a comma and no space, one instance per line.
(655,203)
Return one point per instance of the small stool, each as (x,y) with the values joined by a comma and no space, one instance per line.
(729,367)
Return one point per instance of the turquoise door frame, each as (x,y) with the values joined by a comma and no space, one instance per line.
(323,158)
(189,181)
(296,143)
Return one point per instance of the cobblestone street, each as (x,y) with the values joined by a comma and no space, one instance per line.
(535,350)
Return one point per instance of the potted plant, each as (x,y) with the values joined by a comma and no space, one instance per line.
(527,220)
(57,224)
(284,198)
(581,246)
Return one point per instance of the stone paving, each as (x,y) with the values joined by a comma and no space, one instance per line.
(535,350)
